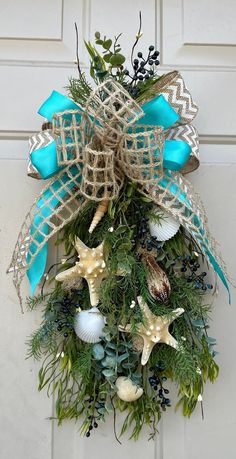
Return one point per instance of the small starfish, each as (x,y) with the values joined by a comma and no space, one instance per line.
(154,330)
(91,266)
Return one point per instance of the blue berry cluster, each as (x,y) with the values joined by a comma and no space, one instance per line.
(156,381)
(97,414)
(147,241)
(190,266)
(64,311)
(142,69)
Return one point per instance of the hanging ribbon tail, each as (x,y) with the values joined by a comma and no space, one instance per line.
(176,195)
(57,205)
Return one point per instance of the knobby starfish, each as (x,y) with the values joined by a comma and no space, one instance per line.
(154,330)
(91,266)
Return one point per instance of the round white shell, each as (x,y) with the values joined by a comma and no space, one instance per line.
(89,325)
(127,390)
(166,229)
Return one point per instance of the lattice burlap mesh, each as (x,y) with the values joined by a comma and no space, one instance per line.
(141,153)
(69,136)
(59,203)
(100,178)
(111,110)
(176,194)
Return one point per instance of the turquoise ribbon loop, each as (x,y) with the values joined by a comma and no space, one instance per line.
(56,102)
(176,154)
(45,160)
(158,112)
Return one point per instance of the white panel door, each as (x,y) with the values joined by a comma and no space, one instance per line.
(37,52)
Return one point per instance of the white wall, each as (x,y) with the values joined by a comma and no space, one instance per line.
(37,50)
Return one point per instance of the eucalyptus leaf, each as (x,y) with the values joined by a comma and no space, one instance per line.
(198,323)
(210,340)
(107,44)
(117,59)
(110,352)
(107,57)
(98,351)
(128,365)
(108,406)
(122,357)
(110,345)
(109,362)
(108,372)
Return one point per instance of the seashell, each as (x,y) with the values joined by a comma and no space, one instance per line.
(89,325)
(157,280)
(99,214)
(127,390)
(166,229)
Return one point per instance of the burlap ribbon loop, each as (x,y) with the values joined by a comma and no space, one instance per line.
(112,111)
(140,153)
(69,137)
(100,178)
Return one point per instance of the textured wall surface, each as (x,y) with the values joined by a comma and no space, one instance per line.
(37,50)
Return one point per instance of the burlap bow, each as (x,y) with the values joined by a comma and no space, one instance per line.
(100,145)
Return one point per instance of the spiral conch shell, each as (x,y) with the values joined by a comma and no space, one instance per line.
(166,229)
(127,390)
(89,325)
(99,214)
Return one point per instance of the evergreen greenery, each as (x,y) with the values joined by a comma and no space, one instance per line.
(83,376)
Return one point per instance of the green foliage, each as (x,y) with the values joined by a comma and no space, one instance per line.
(110,59)
(79,89)
(82,376)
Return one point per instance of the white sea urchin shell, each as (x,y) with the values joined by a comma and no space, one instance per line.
(89,325)
(166,229)
(127,390)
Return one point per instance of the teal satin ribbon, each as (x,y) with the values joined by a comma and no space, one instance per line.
(157,112)
(56,103)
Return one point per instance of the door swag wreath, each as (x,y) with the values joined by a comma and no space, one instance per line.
(129,308)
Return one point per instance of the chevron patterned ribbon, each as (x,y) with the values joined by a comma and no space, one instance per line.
(37,142)
(92,152)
